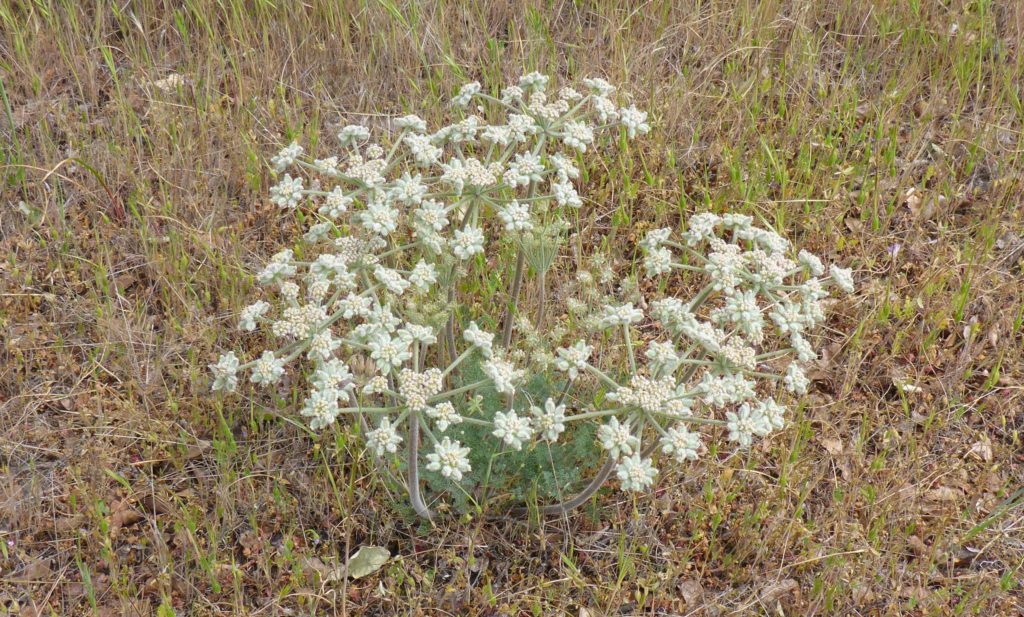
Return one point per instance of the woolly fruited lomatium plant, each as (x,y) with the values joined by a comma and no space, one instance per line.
(401,303)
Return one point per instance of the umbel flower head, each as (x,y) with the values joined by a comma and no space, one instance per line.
(385,315)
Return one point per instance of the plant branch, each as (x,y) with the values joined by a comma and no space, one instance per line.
(415,497)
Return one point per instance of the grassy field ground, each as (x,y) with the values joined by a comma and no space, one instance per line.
(135,135)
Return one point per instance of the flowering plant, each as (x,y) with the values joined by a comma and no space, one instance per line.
(385,304)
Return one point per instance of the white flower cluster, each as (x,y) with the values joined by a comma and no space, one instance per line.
(396,226)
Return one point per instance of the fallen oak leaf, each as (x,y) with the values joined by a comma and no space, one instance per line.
(366,561)
(778,590)
(314,565)
(123,516)
(982,450)
(691,591)
(832,446)
(943,493)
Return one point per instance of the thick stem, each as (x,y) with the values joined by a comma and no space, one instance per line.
(564,392)
(605,378)
(517,281)
(590,415)
(449,327)
(457,361)
(701,298)
(517,284)
(459,390)
(542,297)
(414,469)
(564,507)
(629,348)
(449,331)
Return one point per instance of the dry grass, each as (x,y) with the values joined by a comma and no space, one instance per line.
(872,133)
